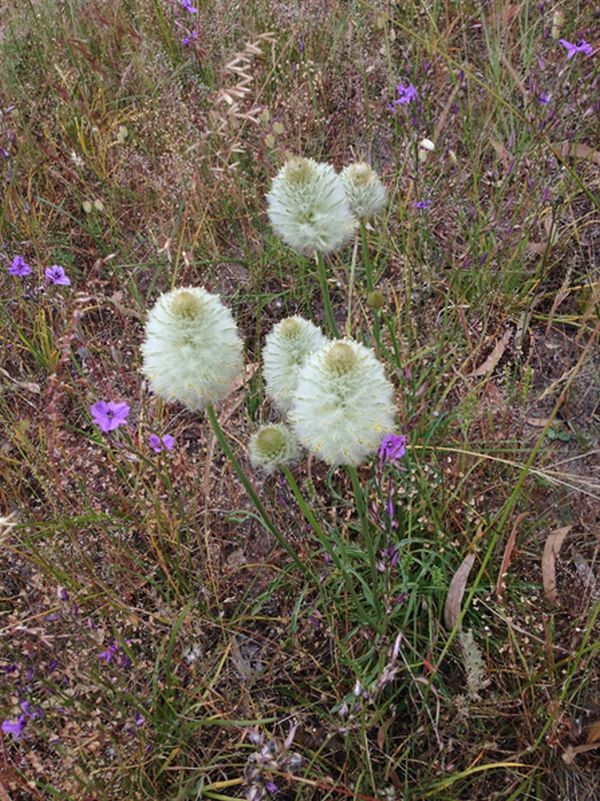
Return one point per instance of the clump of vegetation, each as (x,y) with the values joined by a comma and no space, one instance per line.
(192,606)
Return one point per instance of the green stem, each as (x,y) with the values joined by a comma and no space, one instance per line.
(365,255)
(366,537)
(262,512)
(364,241)
(325,295)
(351,287)
(325,542)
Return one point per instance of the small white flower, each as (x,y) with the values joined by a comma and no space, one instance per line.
(365,192)
(344,404)
(286,349)
(426,146)
(273,446)
(308,207)
(192,352)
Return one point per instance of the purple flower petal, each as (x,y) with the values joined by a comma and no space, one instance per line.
(154,441)
(108,415)
(106,656)
(19,267)
(405,94)
(14,727)
(581,47)
(392,448)
(158,443)
(56,275)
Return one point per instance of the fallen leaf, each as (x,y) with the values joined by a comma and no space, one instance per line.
(535,248)
(572,751)
(510,546)
(593,732)
(495,356)
(579,150)
(456,590)
(537,422)
(502,153)
(30,386)
(552,548)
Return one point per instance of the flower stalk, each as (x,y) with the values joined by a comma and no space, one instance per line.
(252,494)
(329,316)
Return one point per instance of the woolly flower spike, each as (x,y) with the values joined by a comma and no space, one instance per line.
(192,351)
(343,404)
(273,446)
(365,192)
(308,207)
(286,349)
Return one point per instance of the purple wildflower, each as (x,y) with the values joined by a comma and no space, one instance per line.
(19,267)
(56,275)
(63,594)
(544,98)
(271,787)
(14,727)
(31,711)
(405,94)
(423,204)
(191,37)
(4,153)
(392,448)
(390,508)
(139,719)
(187,6)
(158,443)
(581,47)
(109,415)
(106,656)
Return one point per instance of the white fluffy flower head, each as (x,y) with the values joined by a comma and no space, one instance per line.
(273,446)
(365,192)
(192,352)
(287,347)
(344,403)
(308,208)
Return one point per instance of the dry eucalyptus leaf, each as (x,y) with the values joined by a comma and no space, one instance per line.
(551,550)
(495,356)
(510,546)
(579,150)
(593,732)
(572,751)
(456,591)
